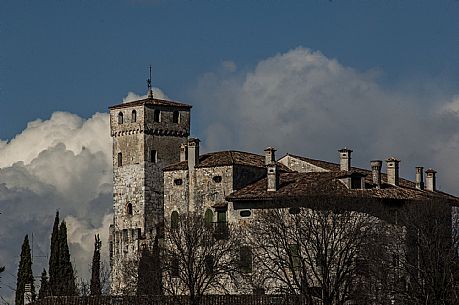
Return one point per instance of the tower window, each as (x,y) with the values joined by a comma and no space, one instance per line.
(157,115)
(178,181)
(176,117)
(217,179)
(129,208)
(134,116)
(153,156)
(175,271)
(245,213)
(120,159)
(174,220)
(120,118)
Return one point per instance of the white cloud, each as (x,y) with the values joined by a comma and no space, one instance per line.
(62,163)
(306,103)
(157,93)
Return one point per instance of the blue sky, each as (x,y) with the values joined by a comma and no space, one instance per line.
(81,56)
(307,77)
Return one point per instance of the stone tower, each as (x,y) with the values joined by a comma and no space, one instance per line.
(147,135)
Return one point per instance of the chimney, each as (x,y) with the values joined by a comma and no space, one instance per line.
(376,172)
(183,153)
(273,177)
(272,169)
(431,183)
(393,171)
(193,153)
(345,159)
(270,155)
(419,178)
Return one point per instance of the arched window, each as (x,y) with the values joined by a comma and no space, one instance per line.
(120,159)
(157,115)
(209,216)
(174,220)
(120,118)
(176,117)
(129,208)
(134,116)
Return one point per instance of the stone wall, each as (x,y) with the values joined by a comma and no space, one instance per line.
(300,166)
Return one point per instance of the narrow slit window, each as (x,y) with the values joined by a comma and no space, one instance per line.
(134,116)
(174,220)
(120,159)
(176,117)
(157,115)
(153,156)
(129,208)
(120,118)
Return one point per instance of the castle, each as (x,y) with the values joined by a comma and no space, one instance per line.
(159,173)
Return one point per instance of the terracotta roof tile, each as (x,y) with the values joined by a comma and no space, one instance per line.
(295,185)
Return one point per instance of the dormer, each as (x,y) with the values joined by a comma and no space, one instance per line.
(353,180)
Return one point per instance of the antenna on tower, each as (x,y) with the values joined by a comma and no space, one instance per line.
(150,91)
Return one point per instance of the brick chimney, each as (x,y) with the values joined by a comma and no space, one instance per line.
(183,152)
(419,177)
(393,177)
(431,183)
(272,169)
(376,172)
(270,155)
(345,159)
(193,153)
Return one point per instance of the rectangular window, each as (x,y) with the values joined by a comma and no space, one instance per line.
(295,255)
(245,259)
(356,183)
(120,159)
(221,216)
(153,156)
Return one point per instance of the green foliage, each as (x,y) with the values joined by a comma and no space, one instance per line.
(95,268)
(149,281)
(54,275)
(61,275)
(25,275)
(67,285)
(44,286)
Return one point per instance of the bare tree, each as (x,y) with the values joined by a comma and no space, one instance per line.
(199,257)
(428,261)
(311,252)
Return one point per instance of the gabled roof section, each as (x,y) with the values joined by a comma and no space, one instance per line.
(225,158)
(153,102)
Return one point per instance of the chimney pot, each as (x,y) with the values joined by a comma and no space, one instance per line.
(431,183)
(393,171)
(345,159)
(270,155)
(376,172)
(419,177)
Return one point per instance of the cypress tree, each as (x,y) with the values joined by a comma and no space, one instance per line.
(149,280)
(67,285)
(25,275)
(54,275)
(44,286)
(95,268)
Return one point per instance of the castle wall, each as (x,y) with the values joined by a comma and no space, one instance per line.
(300,166)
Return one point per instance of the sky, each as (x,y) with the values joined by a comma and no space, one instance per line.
(308,77)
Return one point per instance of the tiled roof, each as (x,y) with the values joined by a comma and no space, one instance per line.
(296,185)
(225,158)
(151,101)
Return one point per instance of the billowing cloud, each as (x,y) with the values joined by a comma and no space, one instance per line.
(306,103)
(63,163)
(157,93)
